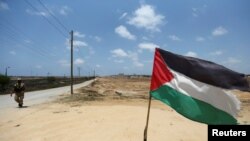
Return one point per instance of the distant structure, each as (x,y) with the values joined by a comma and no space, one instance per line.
(121,74)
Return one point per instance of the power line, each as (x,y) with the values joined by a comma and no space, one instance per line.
(10,35)
(59,30)
(64,27)
(18,30)
(13,30)
(13,39)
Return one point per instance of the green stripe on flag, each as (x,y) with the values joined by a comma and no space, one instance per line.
(192,108)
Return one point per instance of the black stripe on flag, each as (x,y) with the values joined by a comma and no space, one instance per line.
(205,71)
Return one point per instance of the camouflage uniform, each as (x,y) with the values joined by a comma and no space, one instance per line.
(19,93)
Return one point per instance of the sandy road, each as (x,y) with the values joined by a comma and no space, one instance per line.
(109,120)
(37,97)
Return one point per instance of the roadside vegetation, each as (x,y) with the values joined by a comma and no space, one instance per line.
(4,82)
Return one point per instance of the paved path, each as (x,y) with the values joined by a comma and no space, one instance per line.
(37,97)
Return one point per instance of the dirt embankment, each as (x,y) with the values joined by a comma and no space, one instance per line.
(120,89)
(108,88)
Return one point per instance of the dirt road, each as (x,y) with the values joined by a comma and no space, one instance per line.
(37,97)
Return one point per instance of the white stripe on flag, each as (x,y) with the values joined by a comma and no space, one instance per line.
(219,98)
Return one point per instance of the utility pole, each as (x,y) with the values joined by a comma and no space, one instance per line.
(6,71)
(71,62)
(79,71)
(94,73)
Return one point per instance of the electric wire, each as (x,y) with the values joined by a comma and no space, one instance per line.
(58,21)
(53,25)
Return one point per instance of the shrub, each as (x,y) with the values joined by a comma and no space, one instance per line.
(51,79)
(4,80)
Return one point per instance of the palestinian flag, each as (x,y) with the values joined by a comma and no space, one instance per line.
(195,88)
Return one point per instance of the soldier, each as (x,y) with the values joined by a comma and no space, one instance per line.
(19,92)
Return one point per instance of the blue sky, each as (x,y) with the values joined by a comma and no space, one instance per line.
(119,36)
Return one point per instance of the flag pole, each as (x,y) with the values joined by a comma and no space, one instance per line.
(146,127)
